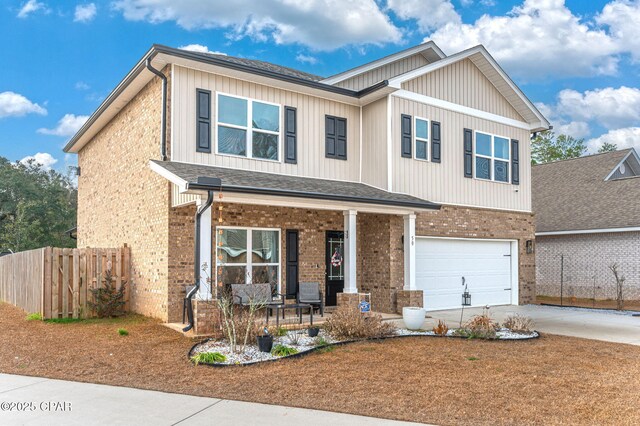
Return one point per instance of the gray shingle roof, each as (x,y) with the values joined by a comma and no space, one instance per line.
(573,195)
(267,66)
(245,181)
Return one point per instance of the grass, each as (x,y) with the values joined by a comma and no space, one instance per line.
(123,332)
(208,358)
(36,316)
(282,350)
(551,380)
(64,320)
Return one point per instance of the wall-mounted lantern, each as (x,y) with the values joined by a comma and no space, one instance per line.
(529,246)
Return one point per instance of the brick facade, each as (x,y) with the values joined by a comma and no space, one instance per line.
(120,200)
(587,258)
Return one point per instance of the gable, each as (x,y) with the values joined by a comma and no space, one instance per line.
(463,83)
(628,168)
(384,72)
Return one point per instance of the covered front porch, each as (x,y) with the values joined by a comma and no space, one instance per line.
(349,238)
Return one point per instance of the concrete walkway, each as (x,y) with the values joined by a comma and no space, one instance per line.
(610,326)
(59,402)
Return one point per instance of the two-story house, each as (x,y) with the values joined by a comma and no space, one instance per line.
(402,178)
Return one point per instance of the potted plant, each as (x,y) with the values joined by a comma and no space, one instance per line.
(313,331)
(413,317)
(265,341)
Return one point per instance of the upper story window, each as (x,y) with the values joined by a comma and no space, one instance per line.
(335,137)
(422,138)
(248,128)
(492,157)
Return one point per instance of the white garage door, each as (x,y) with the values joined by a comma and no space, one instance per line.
(485,265)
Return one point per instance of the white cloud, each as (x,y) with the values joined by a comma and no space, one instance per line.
(628,137)
(15,105)
(537,39)
(308,59)
(67,126)
(81,85)
(319,24)
(612,108)
(85,12)
(563,125)
(623,19)
(200,49)
(30,7)
(429,14)
(45,160)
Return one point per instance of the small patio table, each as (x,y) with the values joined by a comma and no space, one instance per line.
(297,306)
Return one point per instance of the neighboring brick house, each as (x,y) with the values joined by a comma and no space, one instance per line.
(587,218)
(396,178)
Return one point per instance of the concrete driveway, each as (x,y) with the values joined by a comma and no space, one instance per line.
(38,401)
(610,326)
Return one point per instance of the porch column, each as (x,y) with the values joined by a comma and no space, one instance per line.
(205,252)
(410,252)
(350,233)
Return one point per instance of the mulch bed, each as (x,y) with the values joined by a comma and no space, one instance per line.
(550,380)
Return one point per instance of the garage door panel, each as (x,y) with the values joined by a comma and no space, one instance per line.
(441,264)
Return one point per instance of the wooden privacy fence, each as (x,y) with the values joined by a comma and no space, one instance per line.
(56,282)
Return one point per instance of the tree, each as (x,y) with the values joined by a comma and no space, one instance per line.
(37,206)
(608,147)
(546,147)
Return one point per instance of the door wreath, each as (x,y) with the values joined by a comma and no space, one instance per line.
(336,259)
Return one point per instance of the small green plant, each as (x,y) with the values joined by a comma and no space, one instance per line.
(282,350)
(123,332)
(208,358)
(108,301)
(320,341)
(473,358)
(281,331)
(64,320)
(36,316)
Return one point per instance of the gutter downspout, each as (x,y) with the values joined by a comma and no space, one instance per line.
(163,137)
(196,263)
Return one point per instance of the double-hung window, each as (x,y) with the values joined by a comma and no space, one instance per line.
(248,128)
(248,255)
(422,138)
(492,156)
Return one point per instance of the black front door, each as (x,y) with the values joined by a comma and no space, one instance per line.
(292,263)
(335,266)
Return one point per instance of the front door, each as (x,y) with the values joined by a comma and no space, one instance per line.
(335,267)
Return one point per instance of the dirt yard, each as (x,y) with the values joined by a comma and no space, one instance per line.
(550,380)
(631,305)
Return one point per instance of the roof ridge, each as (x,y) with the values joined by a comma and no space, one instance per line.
(583,157)
(222,57)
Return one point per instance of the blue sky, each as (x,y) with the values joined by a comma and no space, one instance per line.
(578,60)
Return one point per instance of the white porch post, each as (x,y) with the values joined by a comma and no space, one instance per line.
(205,251)
(350,234)
(410,252)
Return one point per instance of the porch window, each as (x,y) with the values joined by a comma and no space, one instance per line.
(236,266)
(248,128)
(422,139)
(492,157)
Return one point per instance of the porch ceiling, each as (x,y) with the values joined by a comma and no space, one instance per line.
(245,182)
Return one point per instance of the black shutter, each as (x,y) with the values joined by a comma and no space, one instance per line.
(405,135)
(468,153)
(292,263)
(435,142)
(290,135)
(335,137)
(203,124)
(515,162)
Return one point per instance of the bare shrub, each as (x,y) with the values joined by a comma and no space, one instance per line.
(348,323)
(518,323)
(481,326)
(441,329)
(619,286)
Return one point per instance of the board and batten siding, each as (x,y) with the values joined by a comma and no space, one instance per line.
(445,182)
(384,72)
(464,84)
(311,161)
(374,143)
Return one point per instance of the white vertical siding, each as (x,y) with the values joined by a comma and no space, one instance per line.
(384,72)
(178,199)
(374,143)
(310,114)
(464,84)
(445,182)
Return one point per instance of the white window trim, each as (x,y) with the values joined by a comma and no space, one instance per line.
(249,130)
(416,139)
(249,264)
(492,158)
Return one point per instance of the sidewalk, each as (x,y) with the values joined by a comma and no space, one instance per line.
(48,402)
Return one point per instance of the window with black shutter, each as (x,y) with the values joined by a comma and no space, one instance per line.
(435,142)
(468,153)
(405,130)
(203,124)
(335,137)
(515,162)
(290,135)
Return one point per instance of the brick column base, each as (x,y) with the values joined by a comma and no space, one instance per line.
(347,299)
(408,298)
(205,317)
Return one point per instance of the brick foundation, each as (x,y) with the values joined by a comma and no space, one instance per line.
(205,316)
(406,298)
(348,299)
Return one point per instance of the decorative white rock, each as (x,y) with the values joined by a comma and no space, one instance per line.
(413,317)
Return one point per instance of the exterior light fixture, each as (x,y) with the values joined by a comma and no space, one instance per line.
(529,246)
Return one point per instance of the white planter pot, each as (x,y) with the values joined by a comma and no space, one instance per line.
(413,317)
